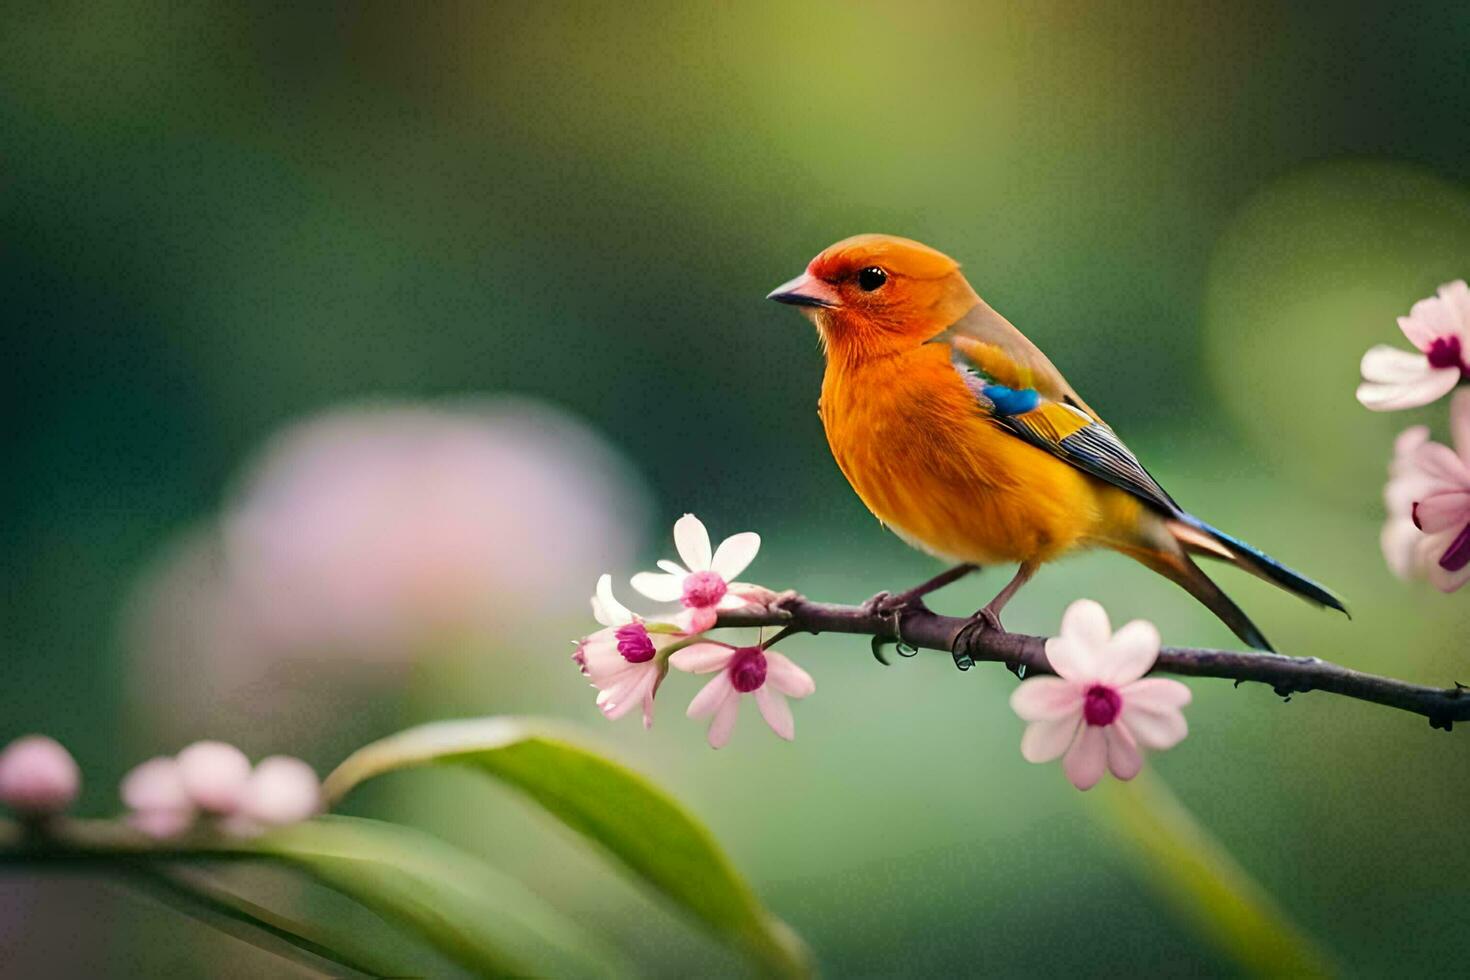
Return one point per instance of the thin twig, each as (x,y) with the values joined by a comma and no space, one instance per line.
(970,642)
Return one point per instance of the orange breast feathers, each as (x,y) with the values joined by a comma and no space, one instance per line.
(919,451)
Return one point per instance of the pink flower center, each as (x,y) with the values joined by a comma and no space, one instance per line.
(634,643)
(703,589)
(1100,705)
(747,669)
(1445,352)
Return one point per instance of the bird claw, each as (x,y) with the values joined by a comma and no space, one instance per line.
(985,619)
(885,605)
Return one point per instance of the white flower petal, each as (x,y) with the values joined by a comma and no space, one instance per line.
(1428,319)
(1071,661)
(1086,622)
(673,568)
(1087,759)
(1400,541)
(607,610)
(1460,423)
(1157,694)
(1124,759)
(1439,463)
(632,694)
(1044,741)
(1456,296)
(786,677)
(702,658)
(692,621)
(1393,365)
(1046,699)
(776,711)
(724,721)
(1410,485)
(1412,438)
(659,588)
(601,658)
(735,554)
(1130,653)
(692,542)
(711,696)
(1155,729)
(1442,511)
(1074,653)
(621,690)
(732,601)
(1401,380)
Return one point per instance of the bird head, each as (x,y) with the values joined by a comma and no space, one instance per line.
(878,293)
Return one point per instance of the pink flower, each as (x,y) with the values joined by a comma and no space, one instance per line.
(164,795)
(1427,534)
(1405,547)
(1440,328)
(766,674)
(281,790)
(214,775)
(364,540)
(154,792)
(622,661)
(1100,708)
(38,777)
(703,583)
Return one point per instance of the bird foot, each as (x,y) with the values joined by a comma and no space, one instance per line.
(988,618)
(891,607)
(887,604)
(984,619)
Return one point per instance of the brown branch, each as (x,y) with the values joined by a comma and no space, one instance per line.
(969,642)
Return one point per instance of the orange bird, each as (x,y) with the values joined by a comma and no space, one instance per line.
(960,435)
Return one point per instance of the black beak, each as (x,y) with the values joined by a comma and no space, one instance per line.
(805,290)
(797,299)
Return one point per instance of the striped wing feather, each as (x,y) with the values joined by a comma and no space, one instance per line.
(1061,427)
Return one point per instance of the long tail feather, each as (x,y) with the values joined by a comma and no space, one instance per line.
(1178,568)
(1201,539)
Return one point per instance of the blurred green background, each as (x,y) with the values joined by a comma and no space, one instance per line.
(221,219)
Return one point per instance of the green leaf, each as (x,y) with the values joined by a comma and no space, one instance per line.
(300,942)
(477,916)
(1205,885)
(635,821)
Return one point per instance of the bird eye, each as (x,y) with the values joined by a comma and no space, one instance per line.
(871,278)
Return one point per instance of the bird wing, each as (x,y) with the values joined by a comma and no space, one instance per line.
(1001,351)
(1032,401)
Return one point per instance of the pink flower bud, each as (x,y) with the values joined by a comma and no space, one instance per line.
(38,777)
(154,791)
(282,790)
(155,785)
(214,775)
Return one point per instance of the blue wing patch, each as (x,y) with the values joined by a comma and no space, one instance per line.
(1083,442)
(1011,401)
